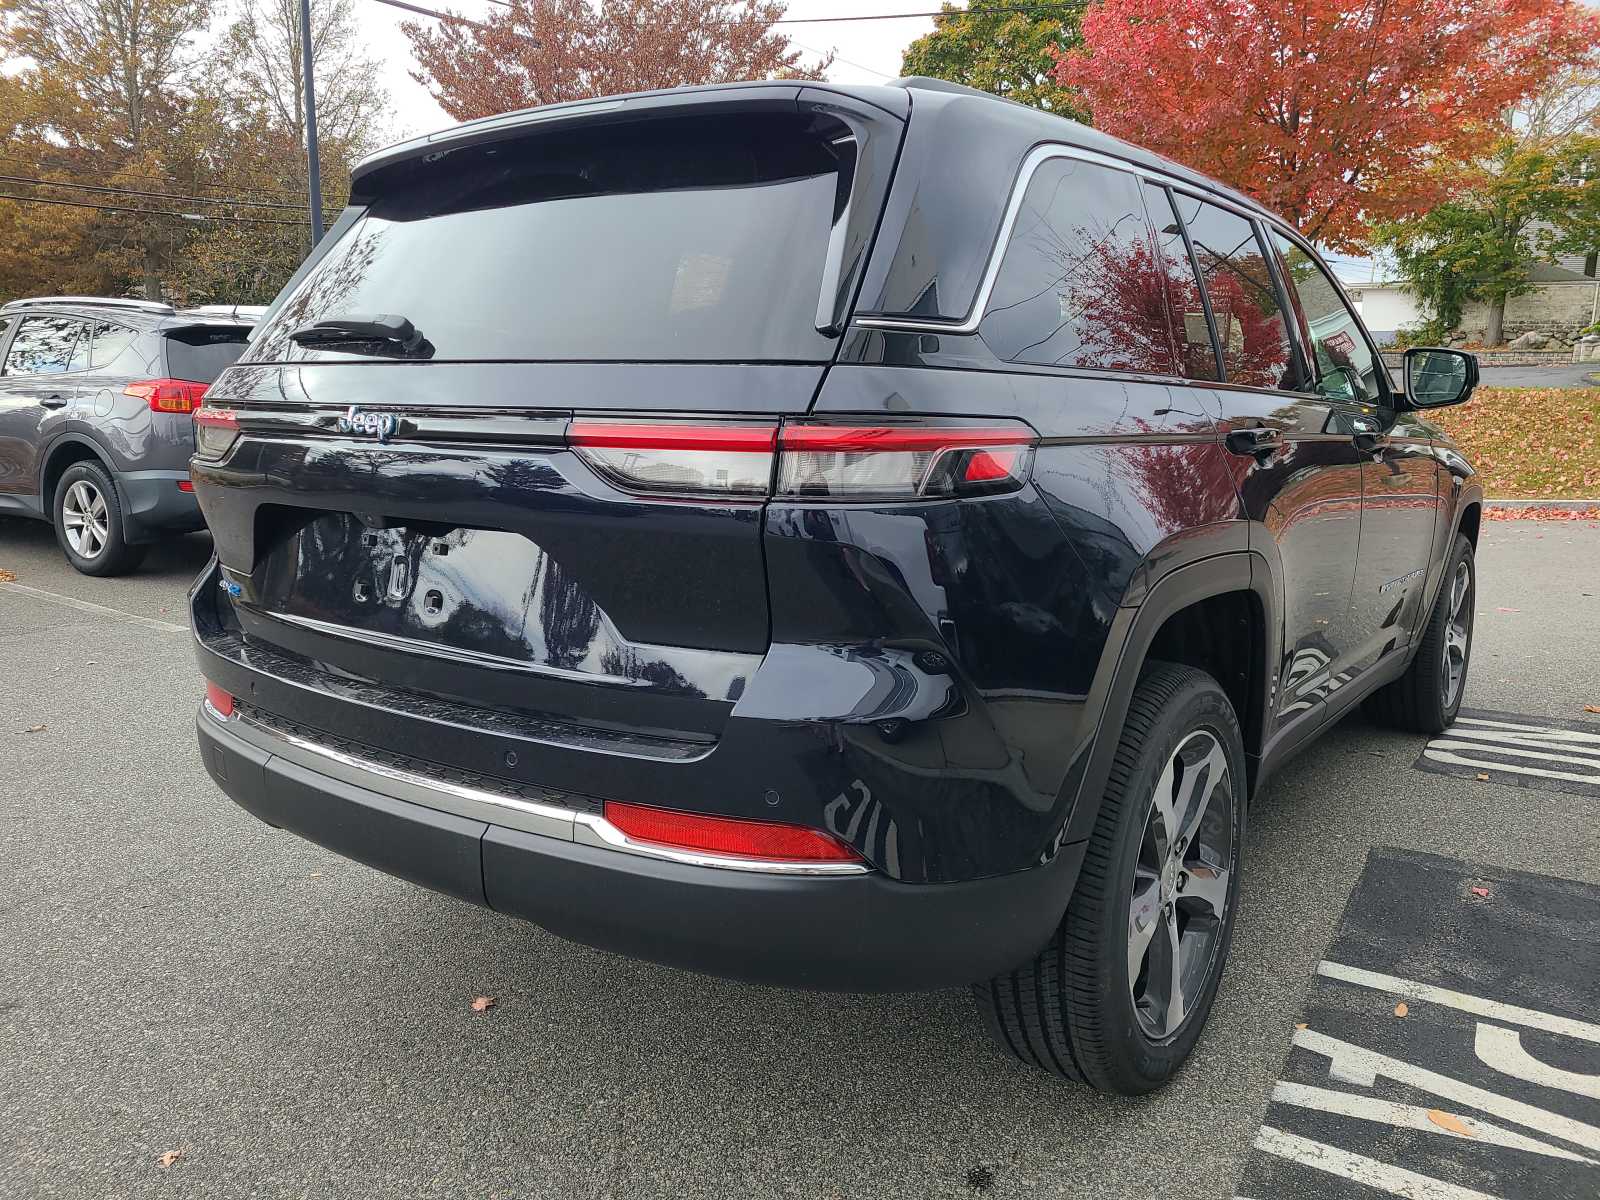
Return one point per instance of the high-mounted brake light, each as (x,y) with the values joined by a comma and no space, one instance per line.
(168,395)
(768,840)
(215,431)
(862,462)
(679,458)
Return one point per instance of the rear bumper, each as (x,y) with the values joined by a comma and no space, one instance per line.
(153,504)
(857,932)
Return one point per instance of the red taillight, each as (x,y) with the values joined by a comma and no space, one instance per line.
(676,458)
(215,430)
(887,461)
(218,699)
(168,395)
(767,840)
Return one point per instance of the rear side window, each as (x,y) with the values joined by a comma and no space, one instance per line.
(680,240)
(200,354)
(109,343)
(1346,367)
(1256,349)
(43,346)
(1079,285)
(1186,310)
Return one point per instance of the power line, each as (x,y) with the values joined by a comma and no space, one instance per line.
(122,191)
(994,8)
(46,163)
(149,212)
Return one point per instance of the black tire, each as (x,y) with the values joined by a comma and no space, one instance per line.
(1072,1010)
(86,510)
(1427,697)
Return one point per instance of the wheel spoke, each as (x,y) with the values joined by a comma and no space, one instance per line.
(97,504)
(1201,781)
(1206,889)
(1165,809)
(1174,1008)
(1144,918)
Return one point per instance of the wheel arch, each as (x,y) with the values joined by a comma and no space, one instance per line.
(66,450)
(1220,615)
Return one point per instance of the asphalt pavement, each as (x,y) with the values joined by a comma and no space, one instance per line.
(175,976)
(1570,375)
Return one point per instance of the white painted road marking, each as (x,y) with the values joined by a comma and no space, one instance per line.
(1414,1116)
(1352,1062)
(1509,1014)
(1522,749)
(1502,1050)
(1358,1168)
(97,609)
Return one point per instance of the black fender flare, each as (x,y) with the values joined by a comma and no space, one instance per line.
(52,449)
(1134,630)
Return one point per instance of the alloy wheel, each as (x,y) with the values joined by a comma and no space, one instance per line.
(1180,886)
(1457,629)
(86,519)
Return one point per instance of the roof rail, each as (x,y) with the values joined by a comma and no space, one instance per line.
(150,306)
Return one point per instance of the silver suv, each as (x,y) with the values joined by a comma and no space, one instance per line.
(96,397)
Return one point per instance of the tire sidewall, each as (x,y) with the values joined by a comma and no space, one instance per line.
(112,556)
(1199,706)
(1441,617)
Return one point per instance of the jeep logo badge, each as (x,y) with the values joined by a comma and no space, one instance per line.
(382,426)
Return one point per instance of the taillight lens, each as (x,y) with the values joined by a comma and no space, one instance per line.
(168,395)
(678,458)
(860,462)
(215,431)
(767,840)
(218,699)
(887,461)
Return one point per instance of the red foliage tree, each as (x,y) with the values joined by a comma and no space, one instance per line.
(1332,112)
(549,51)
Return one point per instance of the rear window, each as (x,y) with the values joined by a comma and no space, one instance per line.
(677,240)
(200,355)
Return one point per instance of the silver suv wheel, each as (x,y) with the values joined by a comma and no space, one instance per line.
(85,519)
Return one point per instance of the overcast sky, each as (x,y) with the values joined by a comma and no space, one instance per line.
(867,51)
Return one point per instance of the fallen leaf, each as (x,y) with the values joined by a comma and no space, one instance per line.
(483,1004)
(1302,1025)
(1481,892)
(1449,1121)
(7,576)
(1483,775)
(167,1159)
(1400,1009)
(1594,708)
(35,729)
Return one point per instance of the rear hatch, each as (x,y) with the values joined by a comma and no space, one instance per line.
(390,473)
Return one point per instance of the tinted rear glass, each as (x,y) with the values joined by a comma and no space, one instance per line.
(678,240)
(200,355)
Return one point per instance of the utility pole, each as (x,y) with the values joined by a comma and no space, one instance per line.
(313,170)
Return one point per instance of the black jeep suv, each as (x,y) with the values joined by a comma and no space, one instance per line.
(853,538)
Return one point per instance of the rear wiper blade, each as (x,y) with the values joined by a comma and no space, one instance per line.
(387,329)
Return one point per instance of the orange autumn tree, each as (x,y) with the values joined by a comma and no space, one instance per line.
(547,51)
(1335,114)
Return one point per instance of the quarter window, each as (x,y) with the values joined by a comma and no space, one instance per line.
(1079,285)
(1185,309)
(1345,365)
(43,346)
(1256,349)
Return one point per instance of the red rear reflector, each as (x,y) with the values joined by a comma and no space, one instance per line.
(168,395)
(219,699)
(185,485)
(726,835)
(987,466)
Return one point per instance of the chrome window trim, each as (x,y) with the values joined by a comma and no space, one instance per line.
(1036,158)
(528,816)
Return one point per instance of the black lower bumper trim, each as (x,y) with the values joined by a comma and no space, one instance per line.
(846,933)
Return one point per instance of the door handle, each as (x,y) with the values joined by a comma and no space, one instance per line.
(1254,443)
(55,400)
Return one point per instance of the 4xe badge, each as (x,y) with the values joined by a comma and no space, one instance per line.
(382,426)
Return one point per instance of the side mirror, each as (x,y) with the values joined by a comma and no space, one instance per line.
(1436,378)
